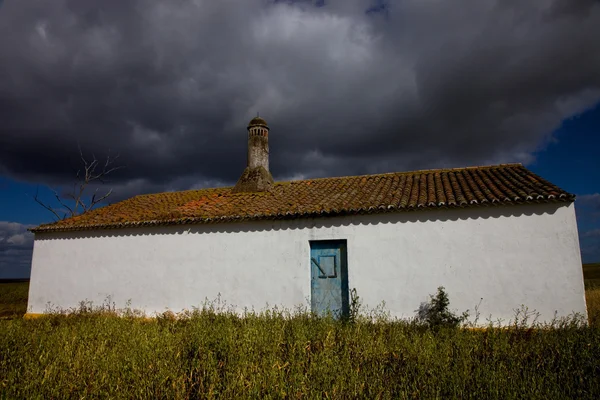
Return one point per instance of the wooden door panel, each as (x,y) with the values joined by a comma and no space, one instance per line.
(329,278)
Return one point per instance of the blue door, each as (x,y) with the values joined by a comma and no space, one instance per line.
(329,277)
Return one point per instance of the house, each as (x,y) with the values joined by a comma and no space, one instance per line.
(497,237)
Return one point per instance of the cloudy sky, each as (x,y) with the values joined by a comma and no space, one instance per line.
(347,87)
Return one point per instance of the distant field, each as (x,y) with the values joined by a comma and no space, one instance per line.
(591,271)
(591,274)
(13,299)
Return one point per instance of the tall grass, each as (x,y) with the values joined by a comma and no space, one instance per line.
(212,353)
(274,354)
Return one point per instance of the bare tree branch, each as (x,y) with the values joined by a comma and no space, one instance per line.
(90,173)
(101,198)
(62,203)
(47,207)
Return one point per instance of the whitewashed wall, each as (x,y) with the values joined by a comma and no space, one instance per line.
(499,258)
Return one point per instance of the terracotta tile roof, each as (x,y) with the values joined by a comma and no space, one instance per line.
(505,184)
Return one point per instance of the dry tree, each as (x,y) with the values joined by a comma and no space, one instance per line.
(93,171)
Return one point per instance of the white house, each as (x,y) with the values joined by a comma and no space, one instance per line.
(497,237)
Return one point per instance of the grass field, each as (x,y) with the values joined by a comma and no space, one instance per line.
(273,355)
(13,299)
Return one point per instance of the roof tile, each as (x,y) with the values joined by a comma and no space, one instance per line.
(428,189)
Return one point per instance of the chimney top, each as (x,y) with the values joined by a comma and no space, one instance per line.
(256,177)
(258,121)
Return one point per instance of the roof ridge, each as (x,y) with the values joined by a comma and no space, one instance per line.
(277,183)
(418,171)
(180,191)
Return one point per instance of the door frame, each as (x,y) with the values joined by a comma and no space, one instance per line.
(343,246)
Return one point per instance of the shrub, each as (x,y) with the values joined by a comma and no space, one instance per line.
(436,314)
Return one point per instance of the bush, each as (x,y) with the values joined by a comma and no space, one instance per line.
(435,314)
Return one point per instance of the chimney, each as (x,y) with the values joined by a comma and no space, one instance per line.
(256,177)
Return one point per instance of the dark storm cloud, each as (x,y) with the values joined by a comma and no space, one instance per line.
(16,245)
(171,85)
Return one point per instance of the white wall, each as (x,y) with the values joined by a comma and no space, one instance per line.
(507,256)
